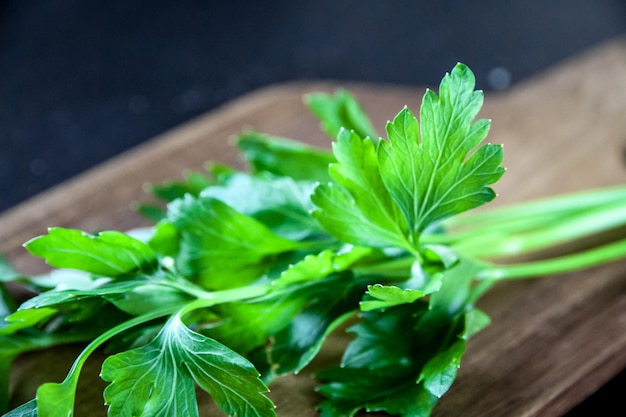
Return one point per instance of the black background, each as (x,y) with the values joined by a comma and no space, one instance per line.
(83,80)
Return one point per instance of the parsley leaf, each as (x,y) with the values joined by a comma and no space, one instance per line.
(360,210)
(427,169)
(390,192)
(284,157)
(325,304)
(389,296)
(193,183)
(28,409)
(142,378)
(380,367)
(339,111)
(280,203)
(108,253)
(220,247)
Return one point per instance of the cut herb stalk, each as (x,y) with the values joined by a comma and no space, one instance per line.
(244,275)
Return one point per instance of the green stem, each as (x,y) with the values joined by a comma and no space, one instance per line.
(488,228)
(560,205)
(97,342)
(27,341)
(481,287)
(501,243)
(226,296)
(58,399)
(393,268)
(568,263)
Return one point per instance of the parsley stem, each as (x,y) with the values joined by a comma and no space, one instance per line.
(480,288)
(560,205)
(226,296)
(567,263)
(97,342)
(495,243)
(65,391)
(526,227)
(394,267)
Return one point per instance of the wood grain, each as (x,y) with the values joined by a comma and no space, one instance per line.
(553,341)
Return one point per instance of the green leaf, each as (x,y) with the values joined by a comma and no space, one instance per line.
(357,389)
(359,210)
(192,183)
(284,157)
(383,368)
(475,321)
(28,409)
(57,400)
(385,338)
(280,203)
(108,253)
(246,326)
(75,297)
(440,254)
(389,193)
(182,357)
(78,305)
(326,304)
(165,239)
(389,296)
(340,110)
(220,247)
(151,212)
(440,372)
(320,265)
(23,319)
(293,348)
(311,267)
(429,171)
(454,295)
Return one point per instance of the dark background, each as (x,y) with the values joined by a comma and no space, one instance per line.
(83,80)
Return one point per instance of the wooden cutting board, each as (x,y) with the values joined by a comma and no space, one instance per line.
(553,340)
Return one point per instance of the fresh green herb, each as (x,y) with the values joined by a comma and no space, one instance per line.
(245,274)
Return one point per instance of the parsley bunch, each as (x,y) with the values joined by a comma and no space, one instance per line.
(244,275)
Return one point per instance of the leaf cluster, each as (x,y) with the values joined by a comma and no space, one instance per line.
(244,275)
